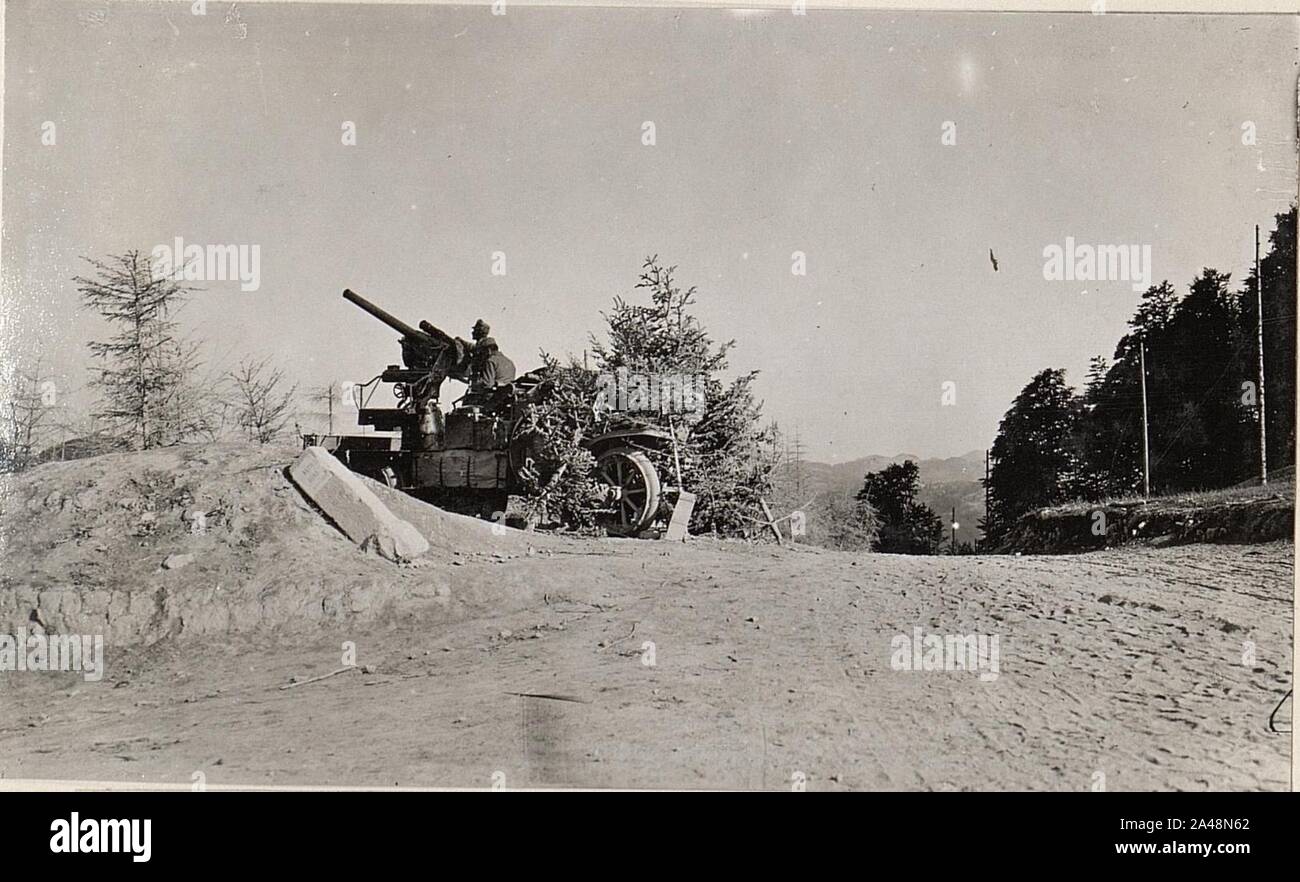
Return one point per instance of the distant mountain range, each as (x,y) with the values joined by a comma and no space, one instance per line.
(945,484)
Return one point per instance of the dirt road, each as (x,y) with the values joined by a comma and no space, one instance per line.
(719,666)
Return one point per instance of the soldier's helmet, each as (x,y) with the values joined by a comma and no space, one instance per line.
(481,329)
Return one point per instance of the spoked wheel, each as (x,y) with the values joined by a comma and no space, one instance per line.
(635,488)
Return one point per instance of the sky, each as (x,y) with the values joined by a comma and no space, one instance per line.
(523,134)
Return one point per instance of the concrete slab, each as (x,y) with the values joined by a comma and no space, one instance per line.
(353,507)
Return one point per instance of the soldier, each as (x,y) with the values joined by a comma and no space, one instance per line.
(489,368)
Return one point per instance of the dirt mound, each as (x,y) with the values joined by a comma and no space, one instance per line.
(1246,516)
(210,539)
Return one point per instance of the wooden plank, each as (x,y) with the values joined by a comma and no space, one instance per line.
(771,522)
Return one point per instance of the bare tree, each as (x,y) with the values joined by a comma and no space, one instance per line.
(143,365)
(259,400)
(31,399)
(192,408)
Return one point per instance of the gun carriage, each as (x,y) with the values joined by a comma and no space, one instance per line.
(470,458)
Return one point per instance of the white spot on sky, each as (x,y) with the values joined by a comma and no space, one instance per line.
(969,75)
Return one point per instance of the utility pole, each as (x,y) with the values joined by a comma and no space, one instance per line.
(1259,306)
(1146,431)
(796,460)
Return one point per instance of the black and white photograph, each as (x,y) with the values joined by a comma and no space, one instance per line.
(674,396)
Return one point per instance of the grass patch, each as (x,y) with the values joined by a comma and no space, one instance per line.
(1284,488)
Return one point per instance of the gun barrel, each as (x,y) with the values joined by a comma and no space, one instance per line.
(384,316)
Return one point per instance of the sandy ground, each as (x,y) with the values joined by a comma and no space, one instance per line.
(771,669)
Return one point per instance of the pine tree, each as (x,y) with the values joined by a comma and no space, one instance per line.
(1200,434)
(905,525)
(1278,268)
(1098,367)
(1156,310)
(143,366)
(722,453)
(1035,456)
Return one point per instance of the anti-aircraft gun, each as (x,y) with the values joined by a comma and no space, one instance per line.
(470,458)
(424,349)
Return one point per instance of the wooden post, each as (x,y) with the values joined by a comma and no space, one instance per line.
(767,512)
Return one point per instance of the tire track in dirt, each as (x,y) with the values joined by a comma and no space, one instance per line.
(771,667)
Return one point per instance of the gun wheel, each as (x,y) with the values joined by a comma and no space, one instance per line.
(634,485)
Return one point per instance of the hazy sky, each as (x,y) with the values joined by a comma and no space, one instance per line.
(522,134)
